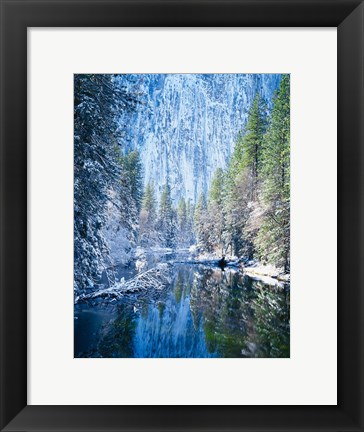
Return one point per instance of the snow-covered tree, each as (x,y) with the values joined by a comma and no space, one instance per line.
(238,208)
(167,219)
(133,167)
(215,220)
(190,211)
(148,235)
(122,224)
(185,223)
(273,240)
(199,215)
(248,150)
(98,103)
(243,180)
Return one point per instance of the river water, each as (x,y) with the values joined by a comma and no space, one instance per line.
(203,312)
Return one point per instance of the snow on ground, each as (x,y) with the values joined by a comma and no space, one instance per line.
(268,274)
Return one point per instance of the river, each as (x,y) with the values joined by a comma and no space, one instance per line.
(203,312)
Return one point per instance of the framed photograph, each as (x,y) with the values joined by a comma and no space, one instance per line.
(182,215)
(189,206)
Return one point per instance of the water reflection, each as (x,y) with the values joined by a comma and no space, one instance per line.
(205,312)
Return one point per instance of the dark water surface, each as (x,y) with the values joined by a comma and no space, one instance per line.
(205,312)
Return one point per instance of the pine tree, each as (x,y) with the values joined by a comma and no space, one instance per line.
(242,182)
(148,215)
(149,202)
(273,241)
(238,209)
(215,220)
(216,191)
(182,213)
(98,104)
(167,218)
(190,210)
(248,150)
(182,222)
(199,215)
(209,218)
(133,168)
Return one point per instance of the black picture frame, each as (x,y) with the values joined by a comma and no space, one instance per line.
(16,17)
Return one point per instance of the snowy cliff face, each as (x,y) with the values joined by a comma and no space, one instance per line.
(188,124)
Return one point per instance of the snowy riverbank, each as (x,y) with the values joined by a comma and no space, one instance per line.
(266,273)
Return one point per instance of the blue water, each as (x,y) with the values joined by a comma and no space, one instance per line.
(204,312)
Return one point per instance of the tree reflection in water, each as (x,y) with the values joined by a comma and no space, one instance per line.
(241,317)
(205,312)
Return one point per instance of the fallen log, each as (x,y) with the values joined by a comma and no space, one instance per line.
(156,278)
